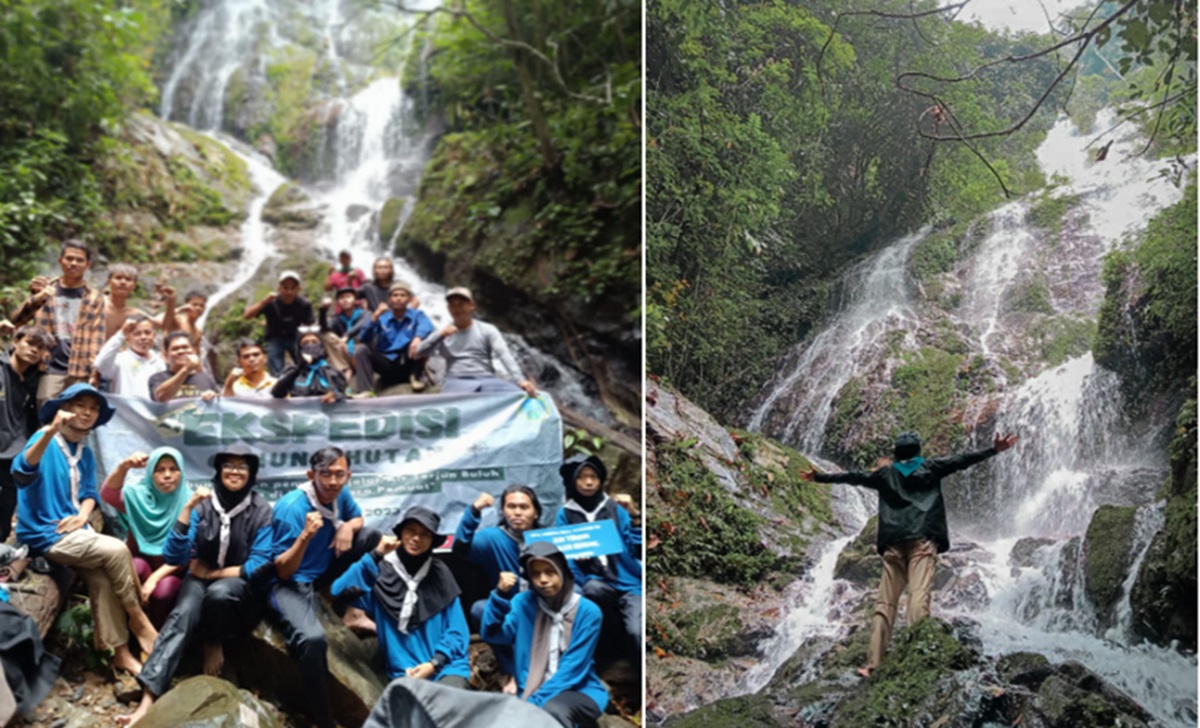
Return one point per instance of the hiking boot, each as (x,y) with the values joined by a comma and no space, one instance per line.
(418,384)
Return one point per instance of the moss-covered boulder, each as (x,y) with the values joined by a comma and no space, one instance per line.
(209,702)
(1075,697)
(290,207)
(1107,557)
(389,220)
(748,712)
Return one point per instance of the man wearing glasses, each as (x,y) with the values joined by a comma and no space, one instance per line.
(318,533)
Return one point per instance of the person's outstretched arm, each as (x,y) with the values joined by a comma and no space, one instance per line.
(852,477)
(942,467)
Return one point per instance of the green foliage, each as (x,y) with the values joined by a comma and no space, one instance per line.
(710,633)
(1058,338)
(72,70)
(1147,322)
(1033,297)
(581,442)
(76,628)
(769,175)
(927,398)
(704,532)
(1050,213)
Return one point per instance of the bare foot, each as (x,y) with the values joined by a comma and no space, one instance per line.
(510,685)
(140,625)
(357,620)
(123,659)
(135,716)
(865,671)
(214,659)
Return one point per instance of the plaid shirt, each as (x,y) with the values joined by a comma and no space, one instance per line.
(89,327)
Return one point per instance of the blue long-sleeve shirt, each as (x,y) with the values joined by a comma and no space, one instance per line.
(445,632)
(626,565)
(511,622)
(44,492)
(181,545)
(391,336)
(491,548)
(290,513)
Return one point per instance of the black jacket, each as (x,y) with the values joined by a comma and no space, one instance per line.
(310,381)
(18,407)
(911,506)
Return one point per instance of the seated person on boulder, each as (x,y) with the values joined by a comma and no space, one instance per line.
(318,534)
(468,346)
(56,478)
(148,507)
(19,375)
(249,378)
(613,582)
(313,376)
(388,345)
(340,330)
(285,311)
(184,376)
(413,599)
(553,632)
(223,538)
(912,527)
(129,359)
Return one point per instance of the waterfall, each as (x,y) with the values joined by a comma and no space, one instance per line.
(1076,451)
(368,155)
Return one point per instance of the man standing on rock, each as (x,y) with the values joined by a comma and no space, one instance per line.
(912,527)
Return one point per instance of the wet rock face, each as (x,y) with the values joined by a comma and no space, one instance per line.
(209,702)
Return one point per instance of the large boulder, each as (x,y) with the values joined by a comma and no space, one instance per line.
(356,669)
(210,702)
(290,207)
(859,561)
(1107,557)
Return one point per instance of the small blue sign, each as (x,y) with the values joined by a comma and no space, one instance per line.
(582,540)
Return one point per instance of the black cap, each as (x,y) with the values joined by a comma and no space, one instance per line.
(426,518)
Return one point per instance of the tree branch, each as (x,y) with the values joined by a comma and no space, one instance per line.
(955,7)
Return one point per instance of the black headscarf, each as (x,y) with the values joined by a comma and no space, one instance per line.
(569,471)
(230,499)
(436,591)
(907,446)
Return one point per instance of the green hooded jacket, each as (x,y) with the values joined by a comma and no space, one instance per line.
(911,506)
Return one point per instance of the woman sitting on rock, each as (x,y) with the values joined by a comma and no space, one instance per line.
(413,599)
(554,632)
(313,376)
(224,539)
(148,509)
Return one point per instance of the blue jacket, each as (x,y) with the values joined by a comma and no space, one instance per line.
(446,632)
(389,336)
(290,512)
(511,622)
(491,548)
(626,565)
(200,539)
(44,492)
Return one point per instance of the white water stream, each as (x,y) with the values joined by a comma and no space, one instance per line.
(1075,453)
(370,155)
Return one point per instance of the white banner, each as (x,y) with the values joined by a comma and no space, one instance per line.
(434,450)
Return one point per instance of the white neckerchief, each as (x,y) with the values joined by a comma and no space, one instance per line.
(333,514)
(227,524)
(72,465)
(556,631)
(591,517)
(410,583)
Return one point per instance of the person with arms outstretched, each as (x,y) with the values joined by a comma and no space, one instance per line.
(912,527)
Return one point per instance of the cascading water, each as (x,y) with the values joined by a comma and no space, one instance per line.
(1076,451)
(369,155)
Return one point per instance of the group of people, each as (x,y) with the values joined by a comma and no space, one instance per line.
(369,337)
(204,564)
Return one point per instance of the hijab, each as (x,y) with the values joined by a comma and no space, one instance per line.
(411,588)
(150,513)
(555,617)
(570,470)
(228,504)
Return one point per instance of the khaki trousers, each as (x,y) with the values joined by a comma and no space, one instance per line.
(113,587)
(335,352)
(908,562)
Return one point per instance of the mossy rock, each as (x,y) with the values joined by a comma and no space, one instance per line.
(860,561)
(1107,556)
(210,701)
(751,711)
(710,633)
(1024,668)
(1064,705)
(389,220)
